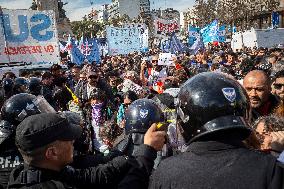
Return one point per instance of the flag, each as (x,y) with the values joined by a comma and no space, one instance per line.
(76,56)
(94,54)
(176,45)
(198,44)
(222,33)
(210,32)
(193,33)
(275,19)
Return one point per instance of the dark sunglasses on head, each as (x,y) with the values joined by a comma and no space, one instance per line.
(278,85)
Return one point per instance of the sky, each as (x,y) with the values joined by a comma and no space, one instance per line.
(76,9)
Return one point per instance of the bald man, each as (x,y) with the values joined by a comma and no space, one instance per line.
(258,87)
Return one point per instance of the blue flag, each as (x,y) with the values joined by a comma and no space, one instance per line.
(176,45)
(76,56)
(210,32)
(275,19)
(222,33)
(94,52)
(193,33)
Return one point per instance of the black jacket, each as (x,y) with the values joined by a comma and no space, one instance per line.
(10,158)
(212,164)
(121,172)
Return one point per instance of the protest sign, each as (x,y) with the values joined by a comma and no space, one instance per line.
(164,27)
(28,36)
(166,59)
(129,85)
(123,40)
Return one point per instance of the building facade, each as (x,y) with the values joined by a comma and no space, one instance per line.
(103,13)
(131,8)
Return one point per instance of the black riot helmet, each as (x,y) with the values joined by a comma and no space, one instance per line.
(34,86)
(141,114)
(22,105)
(8,84)
(20,85)
(212,103)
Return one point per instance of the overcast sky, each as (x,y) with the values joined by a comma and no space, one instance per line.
(76,9)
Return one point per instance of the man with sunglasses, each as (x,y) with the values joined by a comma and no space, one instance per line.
(150,74)
(278,87)
(93,81)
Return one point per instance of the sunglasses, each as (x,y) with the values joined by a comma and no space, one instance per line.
(278,86)
(154,61)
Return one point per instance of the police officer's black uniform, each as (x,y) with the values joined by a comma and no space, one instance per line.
(212,111)
(14,110)
(120,170)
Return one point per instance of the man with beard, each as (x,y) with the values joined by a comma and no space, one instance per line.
(84,88)
(257,85)
(278,77)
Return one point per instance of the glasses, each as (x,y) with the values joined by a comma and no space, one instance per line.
(278,86)
(154,61)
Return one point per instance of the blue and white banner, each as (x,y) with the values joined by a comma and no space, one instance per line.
(210,32)
(28,36)
(222,33)
(193,34)
(123,40)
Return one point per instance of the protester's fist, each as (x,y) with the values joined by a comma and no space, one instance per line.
(155,139)
(277,142)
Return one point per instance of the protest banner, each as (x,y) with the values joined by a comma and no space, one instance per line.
(123,40)
(129,85)
(166,59)
(28,36)
(164,27)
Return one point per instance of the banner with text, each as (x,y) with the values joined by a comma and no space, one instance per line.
(123,40)
(166,27)
(28,36)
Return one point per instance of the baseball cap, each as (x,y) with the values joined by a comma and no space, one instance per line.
(40,130)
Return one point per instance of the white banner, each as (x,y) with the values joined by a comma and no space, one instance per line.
(166,59)
(129,85)
(28,36)
(123,40)
(164,27)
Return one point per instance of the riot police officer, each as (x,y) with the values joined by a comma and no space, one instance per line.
(20,85)
(213,110)
(139,117)
(14,110)
(34,86)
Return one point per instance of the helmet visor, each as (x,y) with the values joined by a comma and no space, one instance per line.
(39,105)
(43,106)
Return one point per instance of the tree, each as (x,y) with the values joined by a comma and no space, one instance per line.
(86,27)
(34,5)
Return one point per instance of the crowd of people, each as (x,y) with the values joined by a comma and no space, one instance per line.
(213,119)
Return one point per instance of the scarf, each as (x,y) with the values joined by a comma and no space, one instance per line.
(97,114)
